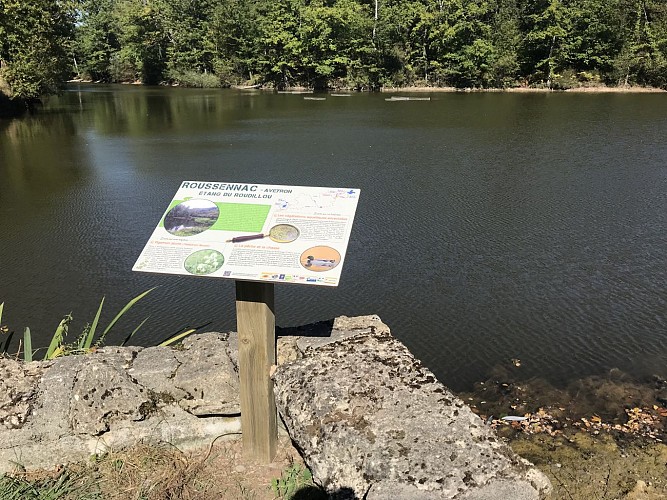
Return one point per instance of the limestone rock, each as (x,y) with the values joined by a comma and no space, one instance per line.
(66,409)
(202,376)
(208,376)
(326,332)
(155,368)
(102,393)
(370,419)
(18,390)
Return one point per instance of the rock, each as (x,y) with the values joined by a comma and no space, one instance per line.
(208,375)
(155,368)
(102,393)
(202,376)
(327,332)
(18,389)
(639,492)
(67,409)
(371,420)
(368,417)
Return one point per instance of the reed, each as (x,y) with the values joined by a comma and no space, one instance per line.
(86,341)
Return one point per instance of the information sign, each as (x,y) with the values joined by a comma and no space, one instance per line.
(253,232)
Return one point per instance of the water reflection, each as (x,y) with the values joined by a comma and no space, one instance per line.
(38,155)
(490,226)
(140,112)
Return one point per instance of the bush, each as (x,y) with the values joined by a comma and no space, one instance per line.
(196,79)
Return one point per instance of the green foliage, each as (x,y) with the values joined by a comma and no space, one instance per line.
(279,59)
(549,26)
(293,478)
(65,485)
(35,38)
(187,24)
(643,57)
(177,338)
(328,43)
(27,343)
(506,38)
(96,39)
(84,343)
(234,34)
(4,330)
(195,79)
(594,40)
(57,340)
(143,41)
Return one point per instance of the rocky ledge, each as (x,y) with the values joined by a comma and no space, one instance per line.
(369,420)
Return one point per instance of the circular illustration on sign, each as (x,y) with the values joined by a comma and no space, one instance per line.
(321,258)
(191,217)
(204,262)
(283,233)
(280,233)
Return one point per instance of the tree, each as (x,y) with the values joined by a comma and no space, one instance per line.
(506,39)
(143,42)
(333,41)
(643,58)
(279,54)
(548,26)
(472,53)
(232,36)
(35,41)
(595,39)
(97,38)
(187,24)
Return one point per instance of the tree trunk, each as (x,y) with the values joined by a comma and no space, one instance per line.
(550,61)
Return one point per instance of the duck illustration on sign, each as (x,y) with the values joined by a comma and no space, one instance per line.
(320,258)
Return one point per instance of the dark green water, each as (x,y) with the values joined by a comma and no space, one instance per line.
(490,226)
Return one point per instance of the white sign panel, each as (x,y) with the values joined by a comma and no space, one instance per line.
(254,232)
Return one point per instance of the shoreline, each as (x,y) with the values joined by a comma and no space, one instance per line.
(591,90)
(601,89)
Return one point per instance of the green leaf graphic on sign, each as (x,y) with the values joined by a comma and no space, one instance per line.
(241,217)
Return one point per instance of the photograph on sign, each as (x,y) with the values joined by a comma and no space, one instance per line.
(254,232)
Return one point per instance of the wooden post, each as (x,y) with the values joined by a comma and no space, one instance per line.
(256,324)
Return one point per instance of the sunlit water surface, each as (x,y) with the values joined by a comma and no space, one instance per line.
(490,226)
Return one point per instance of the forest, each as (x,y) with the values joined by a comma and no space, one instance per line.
(359,44)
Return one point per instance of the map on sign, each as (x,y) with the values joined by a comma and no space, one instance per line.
(254,232)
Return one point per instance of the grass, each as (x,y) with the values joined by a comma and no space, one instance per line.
(294,478)
(66,485)
(86,342)
(144,473)
(162,472)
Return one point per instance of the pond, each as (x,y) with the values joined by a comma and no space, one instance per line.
(490,226)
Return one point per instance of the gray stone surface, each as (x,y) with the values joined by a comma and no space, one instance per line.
(368,417)
(103,393)
(69,408)
(18,390)
(208,375)
(202,376)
